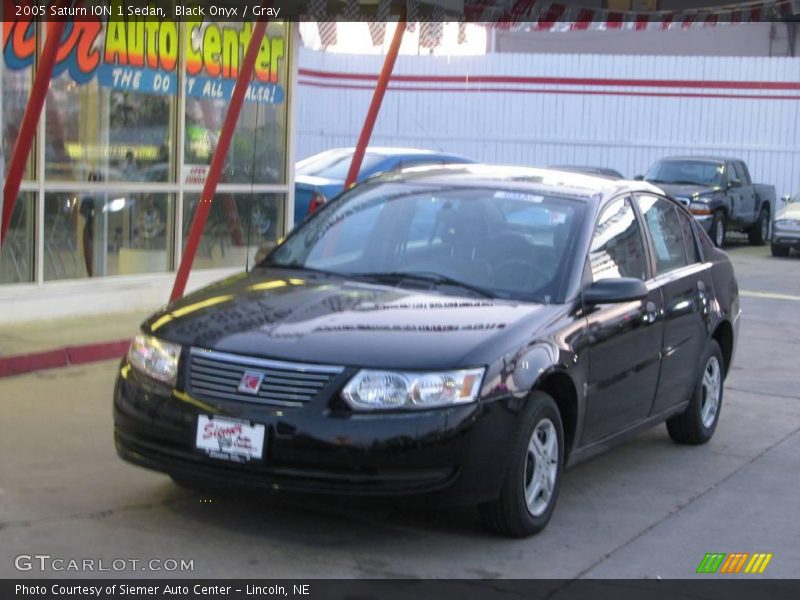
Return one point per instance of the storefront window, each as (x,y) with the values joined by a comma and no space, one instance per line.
(93,234)
(238,227)
(116,135)
(258,150)
(16,255)
(16,88)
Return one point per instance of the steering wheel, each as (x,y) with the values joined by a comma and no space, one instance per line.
(519,270)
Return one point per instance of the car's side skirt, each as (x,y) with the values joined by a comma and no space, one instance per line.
(583,453)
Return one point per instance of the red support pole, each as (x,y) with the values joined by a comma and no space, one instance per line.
(218,160)
(377,100)
(27,130)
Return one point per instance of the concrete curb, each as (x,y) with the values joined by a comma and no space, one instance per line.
(62,357)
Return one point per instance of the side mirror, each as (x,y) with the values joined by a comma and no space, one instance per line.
(611,291)
(639,178)
(732,183)
(786,199)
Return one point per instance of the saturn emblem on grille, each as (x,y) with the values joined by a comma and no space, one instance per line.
(251,382)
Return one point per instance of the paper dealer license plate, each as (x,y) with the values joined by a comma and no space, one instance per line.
(230,439)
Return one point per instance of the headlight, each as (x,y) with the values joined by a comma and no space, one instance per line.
(699,208)
(155,358)
(382,390)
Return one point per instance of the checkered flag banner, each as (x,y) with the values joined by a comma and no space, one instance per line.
(430,32)
(540,15)
(327,29)
(377,28)
(412,15)
(352,12)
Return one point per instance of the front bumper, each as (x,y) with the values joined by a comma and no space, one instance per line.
(705,222)
(459,453)
(783,236)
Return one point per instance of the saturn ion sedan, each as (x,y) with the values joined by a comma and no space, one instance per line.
(460,333)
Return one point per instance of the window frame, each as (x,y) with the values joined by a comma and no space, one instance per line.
(651,248)
(587,278)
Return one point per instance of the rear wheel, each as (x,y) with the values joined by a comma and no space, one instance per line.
(698,422)
(758,234)
(781,251)
(718,225)
(529,492)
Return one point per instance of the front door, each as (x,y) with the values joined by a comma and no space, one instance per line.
(624,339)
(687,288)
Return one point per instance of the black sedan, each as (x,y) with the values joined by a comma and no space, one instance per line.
(461,333)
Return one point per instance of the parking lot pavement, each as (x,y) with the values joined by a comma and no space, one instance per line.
(648,508)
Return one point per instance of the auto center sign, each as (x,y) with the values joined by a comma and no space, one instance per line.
(140,54)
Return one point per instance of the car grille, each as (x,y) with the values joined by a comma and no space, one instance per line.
(218,375)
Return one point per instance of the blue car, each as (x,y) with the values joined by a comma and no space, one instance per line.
(320,177)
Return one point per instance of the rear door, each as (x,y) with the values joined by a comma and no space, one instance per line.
(686,287)
(624,339)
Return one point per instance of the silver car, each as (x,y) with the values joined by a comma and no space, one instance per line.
(786,231)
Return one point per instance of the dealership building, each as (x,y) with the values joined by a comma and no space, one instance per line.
(128,129)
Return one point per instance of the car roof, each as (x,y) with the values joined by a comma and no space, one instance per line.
(525,179)
(602,171)
(389,151)
(701,158)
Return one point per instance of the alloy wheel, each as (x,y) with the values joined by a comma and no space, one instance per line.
(541,467)
(711,389)
(719,233)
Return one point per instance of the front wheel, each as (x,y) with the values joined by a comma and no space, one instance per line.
(758,234)
(781,251)
(529,492)
(718,229)
(696,424)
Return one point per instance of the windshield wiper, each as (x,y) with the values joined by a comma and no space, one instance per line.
(434,278)
(682,182)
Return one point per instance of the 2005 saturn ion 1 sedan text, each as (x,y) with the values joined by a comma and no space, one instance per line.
(460,331)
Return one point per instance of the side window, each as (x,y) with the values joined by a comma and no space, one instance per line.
(617,249)
(661,218)
(689,241)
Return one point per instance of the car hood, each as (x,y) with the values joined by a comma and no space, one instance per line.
(292,315)
(790,211)
(680,190)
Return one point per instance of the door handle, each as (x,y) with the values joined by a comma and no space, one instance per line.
(650,313)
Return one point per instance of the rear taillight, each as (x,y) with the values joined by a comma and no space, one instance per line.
(317,200)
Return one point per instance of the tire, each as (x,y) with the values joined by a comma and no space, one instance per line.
(530,469)
(758,234)
(781,251)
(696,425)
(718,229)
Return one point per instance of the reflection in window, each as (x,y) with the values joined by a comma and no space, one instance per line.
(16,87)
(661,217)
(617,249)
(16,255)
(114,135)
(258,150)
(106,233)
(238,227)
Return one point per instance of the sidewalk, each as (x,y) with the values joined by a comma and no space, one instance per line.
(46,344)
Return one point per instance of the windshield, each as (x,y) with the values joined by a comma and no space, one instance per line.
(506,244)
(335,164)
(693,172)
